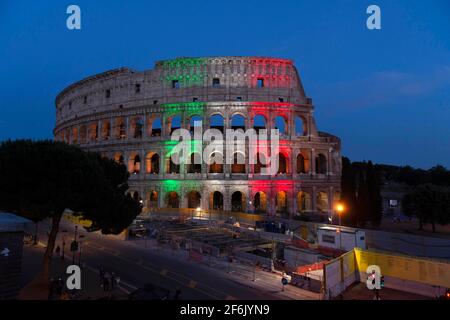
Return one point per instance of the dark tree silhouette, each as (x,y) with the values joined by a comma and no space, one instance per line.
(41,179)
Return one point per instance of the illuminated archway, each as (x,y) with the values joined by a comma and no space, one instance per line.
(321,164)
(194,199)
(260,202)
(216,201)
(173,200)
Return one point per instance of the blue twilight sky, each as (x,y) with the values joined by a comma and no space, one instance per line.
(386,93)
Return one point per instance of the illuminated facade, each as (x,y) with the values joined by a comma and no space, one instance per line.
(129,116)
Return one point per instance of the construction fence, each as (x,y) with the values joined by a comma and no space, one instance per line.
(425,277)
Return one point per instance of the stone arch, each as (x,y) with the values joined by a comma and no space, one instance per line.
(238,201)
(155,127)
(136,127)
(302,162)
(171,166)
(238,165)
(106,129)
(321,164)
(259,122)
(303,202)
(238,121)
(322,202)
(215,167)
(196,163)
(260,202)
(118,157)
(281,203)
(301,128)
(134,163)
(152,199)
(281,124)
(172,200)
(119,128)
(173,123)
(217,122)
(152,163)
(93,131)
(83,133)
(75,135)
(194,122)
(216,200)
(283,163)
(194,199)
(260,160)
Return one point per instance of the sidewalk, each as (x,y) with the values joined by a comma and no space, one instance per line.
(90,280)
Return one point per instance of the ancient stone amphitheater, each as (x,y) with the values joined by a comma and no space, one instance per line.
(129,116)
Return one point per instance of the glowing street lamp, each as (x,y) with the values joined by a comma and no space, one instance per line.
(340,210)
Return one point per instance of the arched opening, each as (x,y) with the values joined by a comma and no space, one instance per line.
(282,164)
(260,157)
(238,122)
(215,167)
(237,202)
(156,128)
(171,166)
(260,202)
(216,122)
(194,199)
(322,204)
(134,163)
(195,122)
(300,126)
(280,124)
(196,163)
(137,125)
(120,132)
(238,165)
(152,199)
(174,123)
(217,201)
(303,202)
(75,135)
(321,164)
(301,164)
(173,200)
(152,163)
(93,131)
(136,196)
(83,134)
(106,130)
(259,123)
(281,202)
(118,157)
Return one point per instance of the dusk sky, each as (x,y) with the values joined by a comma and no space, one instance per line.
(385,93)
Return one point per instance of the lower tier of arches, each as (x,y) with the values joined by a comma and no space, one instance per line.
(273,198)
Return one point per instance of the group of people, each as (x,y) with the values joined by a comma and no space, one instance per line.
(108,280)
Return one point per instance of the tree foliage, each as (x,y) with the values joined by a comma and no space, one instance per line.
(360,186)
(429,203)
(41,179)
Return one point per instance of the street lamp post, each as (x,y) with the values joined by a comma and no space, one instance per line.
(340,209)
(75,241)
(63,245)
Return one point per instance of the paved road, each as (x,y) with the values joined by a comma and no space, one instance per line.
(138,265)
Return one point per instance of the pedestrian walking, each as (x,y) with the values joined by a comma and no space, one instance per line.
(113,280)
(106,282)
(58,250)
(177,295)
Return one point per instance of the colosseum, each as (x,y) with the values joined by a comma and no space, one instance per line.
(129,116)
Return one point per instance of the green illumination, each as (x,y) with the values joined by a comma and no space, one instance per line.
(187,71)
